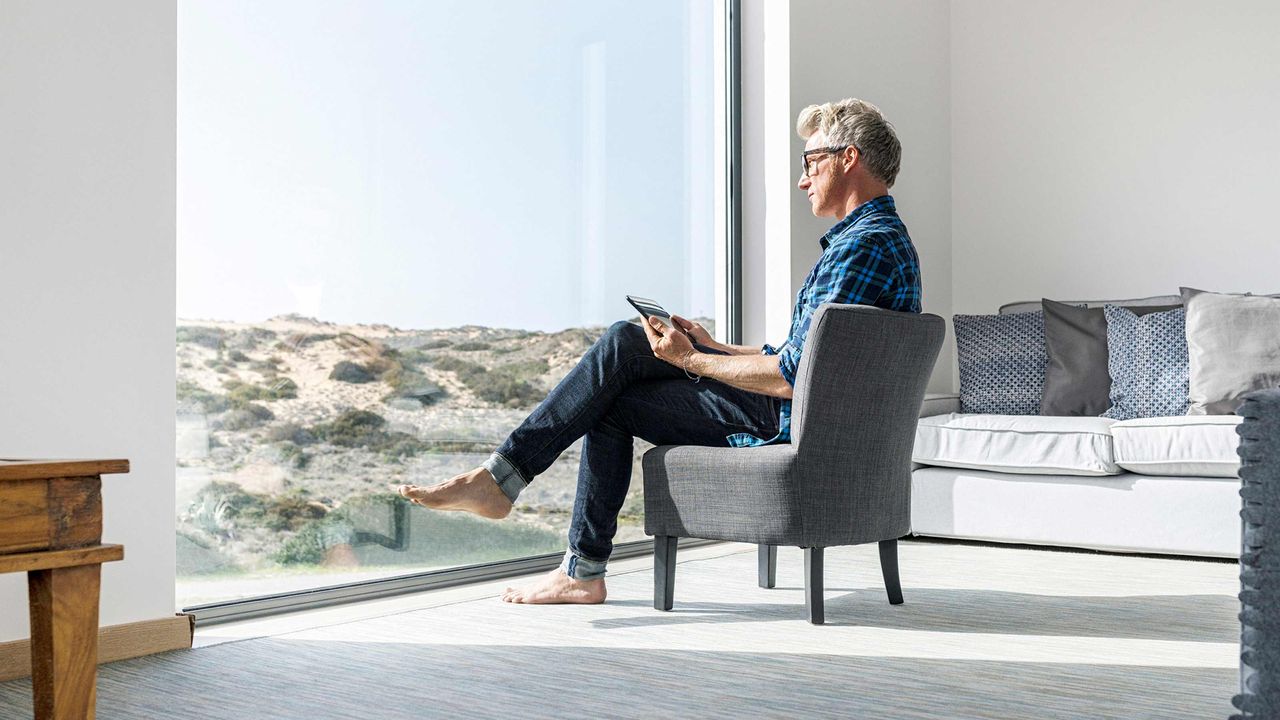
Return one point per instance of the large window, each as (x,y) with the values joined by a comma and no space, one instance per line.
(399,225)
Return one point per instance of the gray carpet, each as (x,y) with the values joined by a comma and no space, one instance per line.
(998,633)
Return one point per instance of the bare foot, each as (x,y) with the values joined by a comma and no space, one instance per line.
(474,492)
(555,588)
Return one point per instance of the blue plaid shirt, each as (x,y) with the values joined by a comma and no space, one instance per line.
(867,259)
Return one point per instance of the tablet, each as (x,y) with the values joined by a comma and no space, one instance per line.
(649,308)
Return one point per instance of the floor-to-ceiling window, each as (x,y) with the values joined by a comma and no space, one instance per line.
(399,225)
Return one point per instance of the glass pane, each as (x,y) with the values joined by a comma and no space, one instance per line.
(399,225)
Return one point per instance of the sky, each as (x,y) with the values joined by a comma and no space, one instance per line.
(424,165)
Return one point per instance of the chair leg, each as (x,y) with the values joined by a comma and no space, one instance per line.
(768,565)
(664,571)
(889,567)
(813,584)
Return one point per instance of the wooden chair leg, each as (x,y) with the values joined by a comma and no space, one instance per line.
(64,640)
(889,567)
(767,565)
(813,584)
(664,571)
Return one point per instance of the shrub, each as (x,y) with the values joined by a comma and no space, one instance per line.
(524,370)
(505,385)
(435,344)
(508,391)
(349,372)
(191,393)
(236,356)
(221,503)
(471,346)
(462,368)
(249,338)
(212,338)
(246,417)
(353,428)
(242,393)
(364,429)
(290,432)
(413,356)
(284,389)
(291,511)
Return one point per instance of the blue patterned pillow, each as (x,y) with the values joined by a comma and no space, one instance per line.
(1147,358)
(1002,362)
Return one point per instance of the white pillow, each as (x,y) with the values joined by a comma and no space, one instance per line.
(1233,348)
(1026,444)
(1184,445)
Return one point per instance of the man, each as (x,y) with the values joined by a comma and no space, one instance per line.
(682,387)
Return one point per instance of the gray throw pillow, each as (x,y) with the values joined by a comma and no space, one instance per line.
(1001,361)
(1233,344)
(1076,378)
(1147,359)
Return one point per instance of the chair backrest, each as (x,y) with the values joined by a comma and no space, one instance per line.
(857,398)
(864,370)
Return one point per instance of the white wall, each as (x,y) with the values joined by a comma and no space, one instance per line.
(87,153)
(1113,149)
(801,52)
(896,55)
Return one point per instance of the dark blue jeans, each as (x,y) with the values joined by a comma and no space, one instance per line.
(617,392)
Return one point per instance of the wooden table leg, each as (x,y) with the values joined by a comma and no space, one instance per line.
(64,641)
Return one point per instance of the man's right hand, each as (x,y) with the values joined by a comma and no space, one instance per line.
(696,332)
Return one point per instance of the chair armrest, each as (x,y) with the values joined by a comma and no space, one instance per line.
(939,404)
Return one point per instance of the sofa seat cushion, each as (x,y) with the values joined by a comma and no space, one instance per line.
(1027,444)
(1182,445)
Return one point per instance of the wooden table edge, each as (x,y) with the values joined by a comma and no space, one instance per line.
(53,559)
(46,469)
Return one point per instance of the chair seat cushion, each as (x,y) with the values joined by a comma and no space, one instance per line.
(720,493)
(1027,444)
(1182,445)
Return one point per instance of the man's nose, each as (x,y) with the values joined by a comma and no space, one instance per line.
(804,181)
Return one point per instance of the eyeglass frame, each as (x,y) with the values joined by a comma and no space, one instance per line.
(804,156)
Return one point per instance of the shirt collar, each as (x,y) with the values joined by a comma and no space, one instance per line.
(884,202)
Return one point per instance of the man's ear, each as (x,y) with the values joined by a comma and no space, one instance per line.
(850,157)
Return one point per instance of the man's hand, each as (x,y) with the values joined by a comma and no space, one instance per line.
(695,331)
(668,344)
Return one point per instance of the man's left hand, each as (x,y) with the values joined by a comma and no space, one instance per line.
(667,343)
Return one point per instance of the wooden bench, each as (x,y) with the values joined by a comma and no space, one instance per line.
(51,529)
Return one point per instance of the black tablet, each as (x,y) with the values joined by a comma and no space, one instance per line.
(649,308)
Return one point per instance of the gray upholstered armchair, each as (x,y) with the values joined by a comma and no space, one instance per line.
(845,479)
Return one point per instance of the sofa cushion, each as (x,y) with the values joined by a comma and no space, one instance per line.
(1027,444)
(1001,360)
(1182,445)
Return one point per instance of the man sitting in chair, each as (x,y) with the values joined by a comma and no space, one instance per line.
(682,387)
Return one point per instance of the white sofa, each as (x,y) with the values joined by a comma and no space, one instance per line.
(1152,485)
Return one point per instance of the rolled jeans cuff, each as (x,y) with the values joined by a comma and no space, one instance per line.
(580,568)
(509,479)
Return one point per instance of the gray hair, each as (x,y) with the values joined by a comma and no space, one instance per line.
(860,124)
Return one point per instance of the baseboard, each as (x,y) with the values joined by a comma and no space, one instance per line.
(115,642)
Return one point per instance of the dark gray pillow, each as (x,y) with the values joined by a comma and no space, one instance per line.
(1076,381)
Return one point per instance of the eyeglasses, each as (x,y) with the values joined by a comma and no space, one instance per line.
(807,166)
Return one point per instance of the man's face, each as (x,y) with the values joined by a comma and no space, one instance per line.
(825,180)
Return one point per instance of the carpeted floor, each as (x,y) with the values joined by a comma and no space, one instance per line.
(986,632)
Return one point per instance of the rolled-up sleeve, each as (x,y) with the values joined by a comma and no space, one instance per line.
(789,362)
(788,359)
